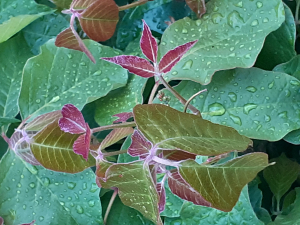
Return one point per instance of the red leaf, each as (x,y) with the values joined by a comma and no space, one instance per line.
(173,56)
(139,145)
(123,117)
(81,4)
(72,121)
(100,19)
(82,145)
(182,189)
(160,188)
(198,6)
(71,40)
(148,44)
(177,155)
(133,64)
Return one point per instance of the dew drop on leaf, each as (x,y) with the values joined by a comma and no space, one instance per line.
(188,65)
(216,109)
(295,83)
(235,20)
(46,181)
(236,119)
(259,4)
(248,107)
(283,114)
(267,118)
(79,209)
(184,31)
(254,23)
(251,89)
(232,96)
(216,18)
(71,185)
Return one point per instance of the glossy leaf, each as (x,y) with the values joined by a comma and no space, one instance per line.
(245,31)
(99,20)
(14,16)
(43,120)
(72,120)
(6,121)
(258,104)
(114,136)
(30,193)
(82,144)
(148,44)
(74,78)
(133,64)
(53,148)
(281,176)
(291,67)
(195,214)
(221,185)
(171,129)
(139,145)
(142,197)
(198,6)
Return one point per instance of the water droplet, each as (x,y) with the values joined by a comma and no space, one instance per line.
(19,185)
(271,85)
(46,181)
(41,218)
(174,73)
(231,49)
(251,89)
(70,56)
(236,119)
(38,101)
(295,82)
(232,96)
(55,99)
(184,31)
(32,185)
(198,22)
(82,64)
(216,109)
(248,107)
(254,23)
(24,206)
(62,203)
(169,203)
(265,20)
(79,209)
(239,4)
(216,18)
(267,118)
(84,186)
(94,188)
(287,93)
(97,73)
(188,65)
(91,203)
(283,114)
(235,20)
(259,4)
(71,185)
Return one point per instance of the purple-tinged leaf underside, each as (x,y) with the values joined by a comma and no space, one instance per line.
(148,44)
(53,148)
(182,189)
(115,136)
(71,40)
(142,196)
(43,120)
(222,184)
(72,121)
(171,129)
(176,155)
(82,145)
(173,56)
(123,117)
(197,6)
(100,19)
(139,145)
(160,188)
(133,64)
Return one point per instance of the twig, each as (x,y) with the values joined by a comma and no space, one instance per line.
(191,98)
(154,89)
(111,201)
(134,4)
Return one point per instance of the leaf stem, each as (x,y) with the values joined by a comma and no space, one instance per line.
(111,201)
(297,12)
(113,126)
(154,89)
(134,4)
(178,96)
(106,154)
(191,98)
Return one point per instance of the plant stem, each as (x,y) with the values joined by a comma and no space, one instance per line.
(134,4)
(178,96)
(111,201)
(114,126)
(154,89)
(297,12)
(114,153)
(191,98)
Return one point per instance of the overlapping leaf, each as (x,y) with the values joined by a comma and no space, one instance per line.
(139,145)
(43,120)
(171,129)
(198,6)
(231,34)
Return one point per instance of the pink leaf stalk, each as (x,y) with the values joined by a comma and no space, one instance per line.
(148,44)
(160,188)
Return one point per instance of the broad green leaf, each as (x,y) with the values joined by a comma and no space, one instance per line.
(6,121)
(293,217)
(15,15)
(53,148)
(242,213)
(284,40)
(171,129)
(33,193)
(13,56)
(230,34)
(288,201)
(59,76)
(142,196)
(43,29)
(222,184)
(258,104)
(282,175)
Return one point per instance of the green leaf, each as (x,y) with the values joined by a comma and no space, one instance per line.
(171,129)
(258,104)
(282,175)
(64,4)
(293,217)
(242,213)
(13,56)
(142,196)
(288,201)
(222,184)
(33,193)
(125,157)
(53,148)
(43,29)
(15,15)
(284,40)
(59,76)
(230,34)
(6,121)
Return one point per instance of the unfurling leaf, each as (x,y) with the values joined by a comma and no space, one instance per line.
(160,188)
(123,117)
(139,145)
(82,145)
(133,64)
(148,44)
(173,56)
(197,6)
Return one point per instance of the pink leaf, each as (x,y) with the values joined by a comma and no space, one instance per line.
(173,56)
(82,145)
(139,145)
(133,64)
(1,220)
(123,117)
(27,223)
(81,4)
(182,189)
(71,40)
(72,121)
(160,188)
(148,44)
